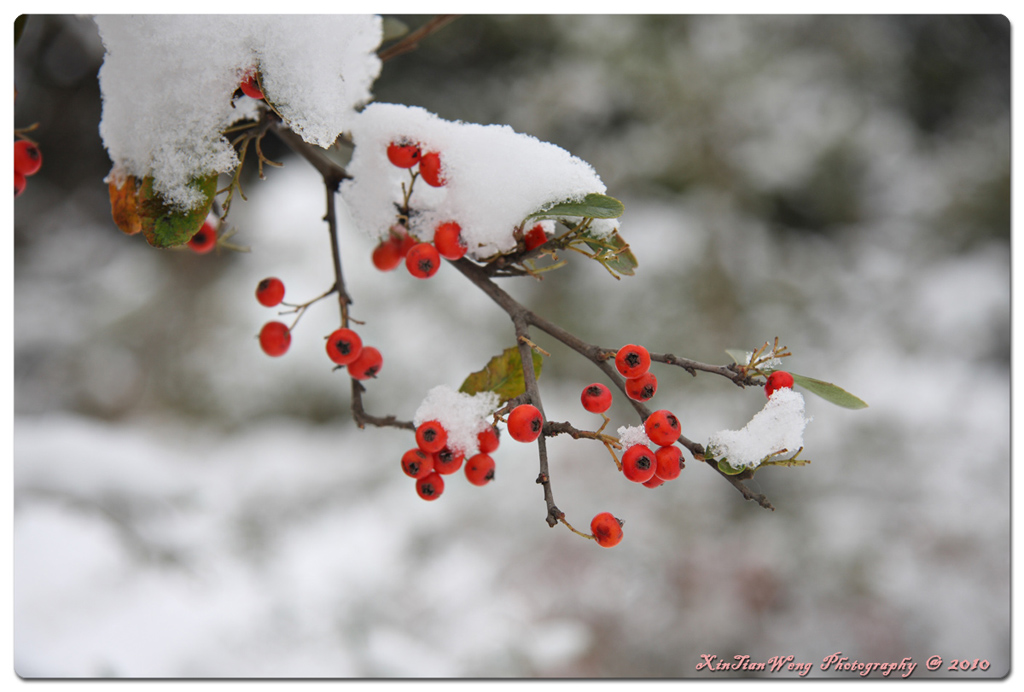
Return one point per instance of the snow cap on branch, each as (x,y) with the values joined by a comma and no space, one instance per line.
(496,177)
(633,435)
(167,83)
(463,416)
(778,426)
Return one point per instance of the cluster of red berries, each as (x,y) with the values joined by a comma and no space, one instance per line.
(641,465)
(205,238)
(776,381)
(405,153)
(27,162)
(432,458)
(421,259)
(633,362)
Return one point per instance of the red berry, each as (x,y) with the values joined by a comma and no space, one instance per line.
(632,361)
(27,158)
(416,463)
(387,255)
(423,260)
(642,388)
(431,436)
(606,529)
(488,439)
(430,169)
(535,237)
(447,461)
(406,243)
(251,88)
(270,291)
(668,462)
(366,365)
(19,183)
(480,469)
(448,240)
(776,381)
(204,239)
(430,486)
(653,482)
(662,427)
(403,153)
(525,423)
(344,346)
(275,338)
(596,398)
(638,463)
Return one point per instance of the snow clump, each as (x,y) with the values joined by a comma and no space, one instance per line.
(778,426)
(167,83)
(463,416)
(633,435)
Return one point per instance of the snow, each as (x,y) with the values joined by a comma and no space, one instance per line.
(463,416)
(167,83)
(630,435)
(496,177)
(777,427)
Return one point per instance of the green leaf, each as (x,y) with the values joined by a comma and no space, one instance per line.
(785,462)
(594,206)
(392,29)
(136,206)
(502,375)
(740,357)
(613,252)
(724,467)
(828,392)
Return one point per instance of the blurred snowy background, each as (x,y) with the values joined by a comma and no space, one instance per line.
(186,506)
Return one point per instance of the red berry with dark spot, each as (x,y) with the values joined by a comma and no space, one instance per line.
(776,381)
(488,439)
(632,361)
(270,291)
(448,240)
(642,388)
(204,239)
(403,153)
(535,237)
(430,169)
(431,436)
(662,427)
(596,398)
(251,88)
(606,529)
(423,260)
(27,158)
(367,365)
(275,338)
(430,486)
(638,463)
(416,463)
(447,461)
(525,423)
(480,469)
(669,462)
(344,346)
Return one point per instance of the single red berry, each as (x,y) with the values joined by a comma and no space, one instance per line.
(416,463)
(366,365)
(423,260)
(447,461)
(632,361)
(387,255)
(525,423)
(535,237)
(669,462)
(270,291)
(606,529)
(448,240)
(251,87)
(19,183)
(431,436)
(430,169)
(653,482)
(204,239)
(776,381)
(638,463)
(480,469)
(403,153)
(27,158)
(596,398)
(488,439)
(275,338)
(344,346)
(662,427)
(406,243)
(642,388)
(430,486)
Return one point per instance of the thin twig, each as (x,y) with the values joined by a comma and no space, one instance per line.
(412,40)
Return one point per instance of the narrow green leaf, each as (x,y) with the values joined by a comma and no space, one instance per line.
(785,462)
(613,252)
(829,392)
(740,357)
(594,206)
(502,375)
